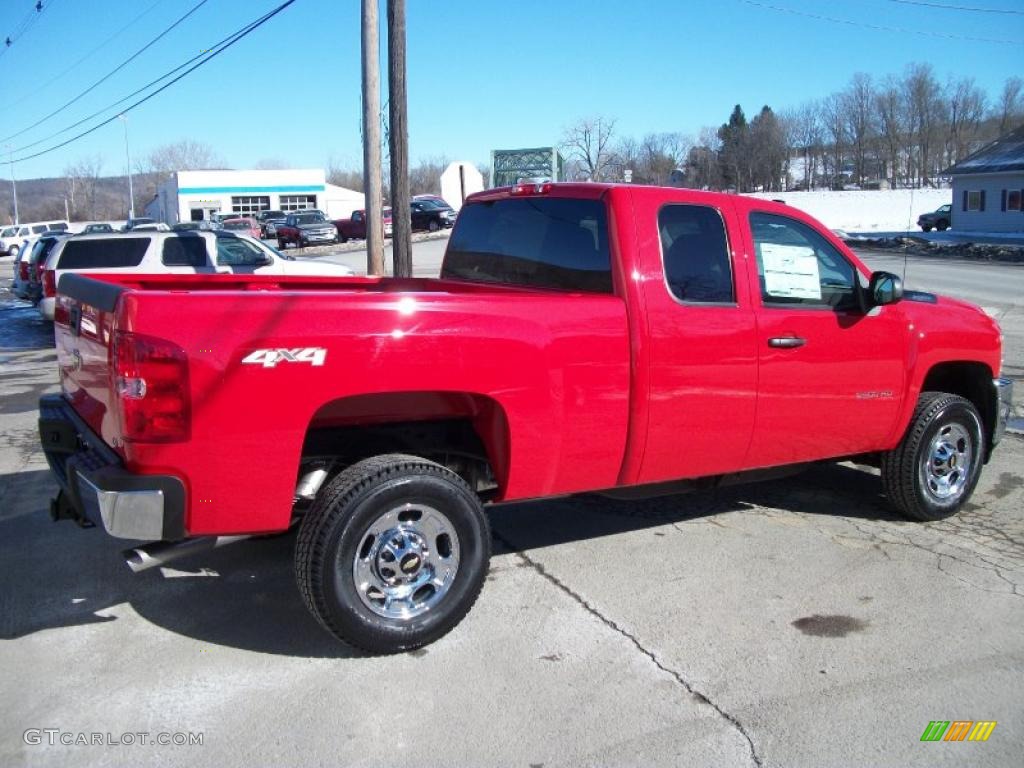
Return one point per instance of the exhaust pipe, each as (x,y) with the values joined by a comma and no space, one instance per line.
(163,552)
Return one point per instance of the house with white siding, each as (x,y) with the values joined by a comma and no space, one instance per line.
(988,187)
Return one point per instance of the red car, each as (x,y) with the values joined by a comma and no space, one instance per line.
(244,225)
(581,337)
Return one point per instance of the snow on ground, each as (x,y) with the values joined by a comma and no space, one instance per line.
(880,211)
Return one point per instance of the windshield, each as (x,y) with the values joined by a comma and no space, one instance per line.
(238,224)
(309,218)
(9,232)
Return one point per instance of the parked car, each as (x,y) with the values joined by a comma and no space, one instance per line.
(430,216)
(96,229)
(580,338)
(302,228)
(196,226)
(138,222)
(243,226)
(938,219)
(433,199)
(11,237)
(269,221)
(354,227)
(156,226)
(20,284)
(35,263)
(173,253)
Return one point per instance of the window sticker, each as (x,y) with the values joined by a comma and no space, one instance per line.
(790,271)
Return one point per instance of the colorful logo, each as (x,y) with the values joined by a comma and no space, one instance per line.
(958,730)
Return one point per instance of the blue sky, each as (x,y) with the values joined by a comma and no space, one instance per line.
(482,75)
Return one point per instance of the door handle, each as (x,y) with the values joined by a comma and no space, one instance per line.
(787,342)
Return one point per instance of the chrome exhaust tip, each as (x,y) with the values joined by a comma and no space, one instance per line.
(163,552)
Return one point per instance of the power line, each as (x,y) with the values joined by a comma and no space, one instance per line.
(91,53)
(851,23)
(111,73)
(956,7)
(27,22)
(216,51)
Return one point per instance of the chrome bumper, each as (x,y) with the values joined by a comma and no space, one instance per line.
(1004,405)
(99,489)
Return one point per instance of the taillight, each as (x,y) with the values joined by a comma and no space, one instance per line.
(61,313)
(151,386)
(531,187)
(40,268)
(49,283)
(23,270)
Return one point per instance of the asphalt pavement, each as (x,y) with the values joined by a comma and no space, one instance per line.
(790,623)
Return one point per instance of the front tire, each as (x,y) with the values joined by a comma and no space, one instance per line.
(393,553)
(942,226)
(932,473)
(14,251)
(926,227)
(433,226)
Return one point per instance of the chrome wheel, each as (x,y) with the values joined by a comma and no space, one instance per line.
(946,465)
(406,561)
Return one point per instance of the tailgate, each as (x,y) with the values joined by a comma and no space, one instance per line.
(83,332)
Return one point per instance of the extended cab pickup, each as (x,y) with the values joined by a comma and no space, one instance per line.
(303,228)
(581,337)
(354,227)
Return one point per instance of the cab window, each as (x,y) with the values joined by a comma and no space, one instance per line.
(236,252)
(695,254)
(796,266)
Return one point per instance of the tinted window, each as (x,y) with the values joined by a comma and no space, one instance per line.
(38,229)
(184,251)
(60,226)
(796,265)
(537,241)
(9,232)
(695,254)
(111,252)
(235,252)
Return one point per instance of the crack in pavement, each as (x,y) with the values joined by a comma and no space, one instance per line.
(702,698)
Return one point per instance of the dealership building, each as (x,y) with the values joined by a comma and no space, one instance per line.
(198,195)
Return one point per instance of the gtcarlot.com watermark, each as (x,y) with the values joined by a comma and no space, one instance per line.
(52,737)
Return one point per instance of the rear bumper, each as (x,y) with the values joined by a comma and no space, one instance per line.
(46,307)
(1004,406)
(127,505)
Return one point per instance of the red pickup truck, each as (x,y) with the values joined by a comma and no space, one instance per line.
(581,337)
(354,227)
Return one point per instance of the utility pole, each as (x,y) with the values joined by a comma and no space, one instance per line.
(14,186)
(128,165)
(372,174)
(401,213)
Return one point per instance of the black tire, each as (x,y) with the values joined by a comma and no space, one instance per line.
(942,225)
(911,487)
(335,537)
(281,244)
(301,243)
(433,226)
(13,252)
(926,227)
(342,238)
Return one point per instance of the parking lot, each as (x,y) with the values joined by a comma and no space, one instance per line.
(795,622)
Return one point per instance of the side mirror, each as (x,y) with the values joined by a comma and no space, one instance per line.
(885,288)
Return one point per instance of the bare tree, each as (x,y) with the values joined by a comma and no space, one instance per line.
(425,176)
(804,132)
(271,164)
(183,155)
(834,123)
(921,91)
(589,144)
(84,176)
(966,104)
(1011,105)
(892,120)
(857,103)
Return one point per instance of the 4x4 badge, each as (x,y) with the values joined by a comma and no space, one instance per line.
(268,358)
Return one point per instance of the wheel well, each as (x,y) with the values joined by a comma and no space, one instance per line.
(465,432)
(972,381)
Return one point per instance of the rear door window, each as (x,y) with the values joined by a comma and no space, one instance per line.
(185,251)
(38,229)
(113,253)
(695,253)
(541,242)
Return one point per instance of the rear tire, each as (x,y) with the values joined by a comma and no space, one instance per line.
(934,469)
(942,226)
(926,227)
(14,251)
(433,226)
(393,553)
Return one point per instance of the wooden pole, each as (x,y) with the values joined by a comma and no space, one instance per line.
(372,174)
(398,136)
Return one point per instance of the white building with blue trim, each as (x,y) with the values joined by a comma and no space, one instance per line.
(198,195)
